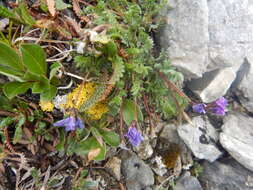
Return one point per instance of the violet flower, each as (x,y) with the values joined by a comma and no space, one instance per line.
(70,123)
(218,107)
(199,108)
(134,136)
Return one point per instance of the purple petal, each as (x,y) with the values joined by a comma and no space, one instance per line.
(199,108)
(62,123)
(134,136)
(222,102)
(218,110)
(79,123)
(71,125)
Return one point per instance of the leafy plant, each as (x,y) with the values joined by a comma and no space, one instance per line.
(28,70)
(127,56)
(20,14)
(196,169)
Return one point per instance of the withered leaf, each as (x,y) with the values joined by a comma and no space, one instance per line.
(93,153)
(51,7)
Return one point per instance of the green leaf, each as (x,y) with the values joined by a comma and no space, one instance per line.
(5,13)
(110,137)
(89,144)
(10,72)
(98,92)
(111,49)
(53,69)
(118,69)
(32,77)
(62,139)
(34,58)
(97,135)
(60,5)
(12,89)
(5,103)
(6,121)
(24,14)
(40,87)
(9,58)
(49,93)
(131,112)
(18,130)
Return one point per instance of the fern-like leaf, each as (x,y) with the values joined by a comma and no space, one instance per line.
(99,90)
(6,13)
(118,70)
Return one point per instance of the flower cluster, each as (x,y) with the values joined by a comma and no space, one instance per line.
(134,136)
(70,123)
(217,107)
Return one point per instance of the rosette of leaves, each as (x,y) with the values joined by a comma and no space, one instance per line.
(27,68)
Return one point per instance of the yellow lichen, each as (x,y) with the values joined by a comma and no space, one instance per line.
(97,110)
(46,105)
(80,95)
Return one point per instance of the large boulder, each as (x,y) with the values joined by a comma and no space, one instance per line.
(237,138)
(186,36)
(209,40)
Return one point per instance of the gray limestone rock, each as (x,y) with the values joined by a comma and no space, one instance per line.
(138,175)
(200,138)
(210,38)
(230,32)
(226,175)
(187,182)
(213,84)
(186,36)
(245,87)
(237,138)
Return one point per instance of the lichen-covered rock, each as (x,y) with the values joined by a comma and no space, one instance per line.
(200,138)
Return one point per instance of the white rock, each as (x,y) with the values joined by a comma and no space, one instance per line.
(186,36)
(214,84)
(199,138)
(230,32)
(236,138)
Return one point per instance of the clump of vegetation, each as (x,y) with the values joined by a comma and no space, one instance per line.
(118,80)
